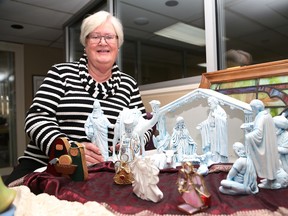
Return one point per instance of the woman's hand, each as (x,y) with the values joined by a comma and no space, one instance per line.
(92,154)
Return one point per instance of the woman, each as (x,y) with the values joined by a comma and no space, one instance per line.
(65,99)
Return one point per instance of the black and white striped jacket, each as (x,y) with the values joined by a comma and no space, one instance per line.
(64,101)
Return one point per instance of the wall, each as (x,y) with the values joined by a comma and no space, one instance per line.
(37,61)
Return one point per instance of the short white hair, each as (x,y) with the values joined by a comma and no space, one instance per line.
(93,21)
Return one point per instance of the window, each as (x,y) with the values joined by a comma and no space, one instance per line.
(145,54)
(74,49)
(259,28)
(12,114)
(164,40)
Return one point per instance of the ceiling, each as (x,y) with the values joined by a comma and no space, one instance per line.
(42,20)
(261,27)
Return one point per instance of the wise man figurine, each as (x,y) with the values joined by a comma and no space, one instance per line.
(96,128)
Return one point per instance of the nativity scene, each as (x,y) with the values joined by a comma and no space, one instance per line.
(176,151)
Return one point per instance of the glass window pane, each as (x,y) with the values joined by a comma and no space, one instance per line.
(129,63)
(7,109)
(160,64)
(156,57)
(75,48)
(257,27)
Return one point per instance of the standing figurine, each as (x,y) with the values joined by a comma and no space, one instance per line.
(129,142)
(281,123)
(242,178)
(162,140)
(181,140)
(96,128)
(146,178)
(261,143)
(214,132)
(140,127)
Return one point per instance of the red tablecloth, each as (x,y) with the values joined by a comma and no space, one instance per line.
(120,198)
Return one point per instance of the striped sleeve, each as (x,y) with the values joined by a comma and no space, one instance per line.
(41,124)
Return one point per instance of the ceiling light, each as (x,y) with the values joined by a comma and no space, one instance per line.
(17,26)
(141,21)
(184,33)
(202,65)
(171,3)
(4,75)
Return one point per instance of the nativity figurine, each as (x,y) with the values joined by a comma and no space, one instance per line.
(164,160)
(281,123)
(145,175)
(162,140)
(123,171)
(140,127)
(181,141)
(214,132)
(242,178)
(129,142)
(69,160)
(261,144)
(193,190)
(96,128)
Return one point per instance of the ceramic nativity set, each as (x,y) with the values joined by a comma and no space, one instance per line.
(263,155)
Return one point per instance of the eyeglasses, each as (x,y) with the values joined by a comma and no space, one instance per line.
(96,38)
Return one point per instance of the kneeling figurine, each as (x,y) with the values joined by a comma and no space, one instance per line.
(242,178)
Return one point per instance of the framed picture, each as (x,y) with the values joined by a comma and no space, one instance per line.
(267,82)
(37,81)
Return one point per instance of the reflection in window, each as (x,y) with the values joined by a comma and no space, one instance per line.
(257,27)
(258,30)
(165,41)
(7,108)
(74,49)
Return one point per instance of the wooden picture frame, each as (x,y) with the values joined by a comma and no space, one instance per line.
(267,82)
(270,69)
(37,81)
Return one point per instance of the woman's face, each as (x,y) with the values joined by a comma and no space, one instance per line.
(102,51)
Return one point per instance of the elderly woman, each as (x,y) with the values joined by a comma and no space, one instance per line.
(65,98)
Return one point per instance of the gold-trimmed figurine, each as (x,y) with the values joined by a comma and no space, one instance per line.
(191,186)
(123,171)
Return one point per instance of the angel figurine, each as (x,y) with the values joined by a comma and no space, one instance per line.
(192,187)
(123,171)
(146,178)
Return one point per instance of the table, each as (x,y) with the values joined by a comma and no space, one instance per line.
(120,199)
